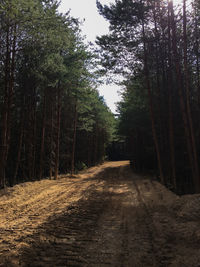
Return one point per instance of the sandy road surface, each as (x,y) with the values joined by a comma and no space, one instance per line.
(106,216)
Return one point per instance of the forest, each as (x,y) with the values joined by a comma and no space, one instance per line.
(79,185)
(155,46)
(52,118)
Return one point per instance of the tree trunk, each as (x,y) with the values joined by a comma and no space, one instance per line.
(186,74)
(57,132)
(155,138)
(181,97)
(21,134)
(4,116)
(171,122)
(8,99)
(41,163)
(51,161)
(32,133)
(74,137)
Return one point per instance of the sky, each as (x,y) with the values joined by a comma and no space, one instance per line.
(93,25)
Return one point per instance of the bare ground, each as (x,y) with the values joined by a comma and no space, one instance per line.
(105,216)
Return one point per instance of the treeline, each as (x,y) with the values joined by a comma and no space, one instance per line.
(156,46)
(52,118)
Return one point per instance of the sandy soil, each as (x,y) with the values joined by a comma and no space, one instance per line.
(105,216)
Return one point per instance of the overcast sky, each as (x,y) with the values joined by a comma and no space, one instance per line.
(94,25)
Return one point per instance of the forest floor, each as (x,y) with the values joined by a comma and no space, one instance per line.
(105,216)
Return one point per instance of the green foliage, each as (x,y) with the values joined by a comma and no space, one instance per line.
(56,118)
(157,50)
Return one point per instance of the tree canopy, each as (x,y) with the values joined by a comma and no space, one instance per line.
(155,46)
(52,118)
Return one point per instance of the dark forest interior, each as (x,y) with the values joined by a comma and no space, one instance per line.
(155,46)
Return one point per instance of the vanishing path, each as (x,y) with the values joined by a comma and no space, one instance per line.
(106,216)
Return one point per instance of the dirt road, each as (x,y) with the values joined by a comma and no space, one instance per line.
(106,216)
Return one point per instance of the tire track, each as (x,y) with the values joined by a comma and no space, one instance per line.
(161,250)
(111,217)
